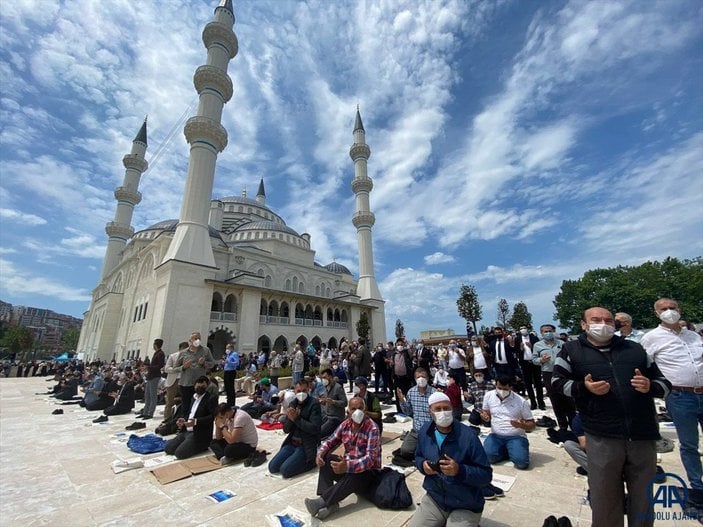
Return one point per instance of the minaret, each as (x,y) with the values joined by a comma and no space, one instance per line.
(207,138)
(120,230)
(363,218)
(261,193)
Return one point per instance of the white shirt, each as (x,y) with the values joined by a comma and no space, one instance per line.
(679,356)
(501,357)
(635,335)
(526,348)
(441,377)
(456,358)
(479,359)
(194,408)
(513,407)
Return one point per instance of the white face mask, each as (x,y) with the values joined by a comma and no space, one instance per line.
(301,396)
(524,332)
(421,382)
(670,316)
(502,393)
(478,379)
(399,348)
(443,418)
(357,416)
(356,390)
(600,332)
(325,382)
(196,342)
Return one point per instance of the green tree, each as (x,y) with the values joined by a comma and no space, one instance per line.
(362,327)
(399,329)
(633,289)
(503,313)
(70,339)
(469,306)
(521,316)
(18,339)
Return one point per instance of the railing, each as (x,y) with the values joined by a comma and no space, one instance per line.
(227,317)
(299,321)
(336,324)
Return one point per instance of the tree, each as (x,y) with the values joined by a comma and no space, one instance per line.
(18,339)
(399,329)
(521,316)
(503,313)
(70,338)
(362,327)
(469,306)
(633,290)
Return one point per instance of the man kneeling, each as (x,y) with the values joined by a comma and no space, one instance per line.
(235,434)
(195,433)
(356,471)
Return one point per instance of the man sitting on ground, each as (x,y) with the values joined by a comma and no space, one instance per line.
(264,399)
(510,417)
(416,406)
(195,431)
(235,434)
(355,471)
(476,392)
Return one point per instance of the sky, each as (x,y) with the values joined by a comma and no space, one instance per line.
(514,144)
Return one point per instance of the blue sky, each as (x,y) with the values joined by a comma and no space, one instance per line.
(514,144)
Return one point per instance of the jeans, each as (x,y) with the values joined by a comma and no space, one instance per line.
(514,448)
(577,454)
(289,461)
(150,397)
(686,410)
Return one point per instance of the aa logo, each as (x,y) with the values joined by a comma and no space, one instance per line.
(668,495)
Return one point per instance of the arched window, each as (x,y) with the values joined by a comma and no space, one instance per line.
(330,314)
(317,313)
(288,285)
(295,283)
(268,281)
(284,311)
(317,290)
(230,304)
(344,315)
(299,311)
(301,287)
(337,316)
(308,312)
(263,308)
(216,302)
(273,309)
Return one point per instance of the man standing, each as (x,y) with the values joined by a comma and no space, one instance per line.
(455,466)
(298,364)
(302,424)
(402,368)
(623,324)
(503,354)
(457,363)
(614,383)
(194,362)
(231,366)
(531,374)
(510,418)
(173,374)
(354,472)
(333,402)
(678,352)
(416,406)
(545,354)
(153,376)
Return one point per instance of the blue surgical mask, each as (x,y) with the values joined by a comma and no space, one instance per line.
(548,335)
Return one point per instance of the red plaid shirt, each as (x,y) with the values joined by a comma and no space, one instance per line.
(362,448)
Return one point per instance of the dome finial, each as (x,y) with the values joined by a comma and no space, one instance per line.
(244,191)
(358,125)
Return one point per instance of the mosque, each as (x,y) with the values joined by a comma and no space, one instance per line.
(230,268)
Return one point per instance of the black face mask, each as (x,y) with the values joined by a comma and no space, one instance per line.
(200,390)
(618,324)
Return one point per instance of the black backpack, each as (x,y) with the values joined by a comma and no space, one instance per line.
(392,492)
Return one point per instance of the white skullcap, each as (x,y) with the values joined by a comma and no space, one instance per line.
(438,397)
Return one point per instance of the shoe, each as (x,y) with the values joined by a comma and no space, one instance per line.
(139,413)
(582,471)
(660,477)
(224,460)
(564,522)
(546,422)
(313,505)
(550,521)
(488,492)
(59,411)
(542,406)
(500,493)
(146,417)
(326,511)
(259,458)
(101,419)
(533,406)
(136,425)
(247,461)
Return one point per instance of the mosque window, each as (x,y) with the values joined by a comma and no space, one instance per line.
(288,285)
(146,306)
(266,235)
(301,288)
(240,209)
(256,235)
(267,281)
(136,310)
(250,210)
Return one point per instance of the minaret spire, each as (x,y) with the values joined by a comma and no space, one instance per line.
(120,229)
(207,138)
(261,193)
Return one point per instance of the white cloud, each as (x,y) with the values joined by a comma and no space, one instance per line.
(21,217)
(438,258)
(16,282)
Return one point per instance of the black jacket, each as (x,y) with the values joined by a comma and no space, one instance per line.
(623,412)
(510,352)
(306,428)
(204,418)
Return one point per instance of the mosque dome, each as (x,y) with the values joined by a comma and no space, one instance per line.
(170,226)
(266,225)
(337,268)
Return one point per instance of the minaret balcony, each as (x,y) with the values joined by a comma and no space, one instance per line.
(117,230)
(130,196)
(200,128)
(359,151)
(218,33)
(362,184)
(215,79)
(363,219)
(135,162)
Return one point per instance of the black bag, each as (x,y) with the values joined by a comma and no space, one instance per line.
(392,492)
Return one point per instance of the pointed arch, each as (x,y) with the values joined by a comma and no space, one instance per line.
(332,344)
(316,342)
(263,308)
(284,310)
(230,305)
(117,284)
(216,304)
(281,343)
(302,340)
(273,309)
(264,344)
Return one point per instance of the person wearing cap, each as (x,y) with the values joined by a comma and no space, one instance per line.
(455,466)
(372,407)
(263,399)
(235,434)
(353,472)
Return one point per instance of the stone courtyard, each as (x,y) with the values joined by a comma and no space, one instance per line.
(56,470)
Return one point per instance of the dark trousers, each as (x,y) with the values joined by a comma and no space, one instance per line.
(504,369)
(563,406)
(387,380)
(231,450)
(404,383)
(460,376)
(184,445)
(379,373)
(329,425)
(229,387)
(186,400)
(102,403)
(532,376)
(333,488)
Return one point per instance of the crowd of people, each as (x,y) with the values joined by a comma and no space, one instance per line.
(601,385)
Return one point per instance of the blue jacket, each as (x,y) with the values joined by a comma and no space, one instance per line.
(462,491)
(232,362)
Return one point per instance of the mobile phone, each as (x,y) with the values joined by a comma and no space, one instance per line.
(434,465)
